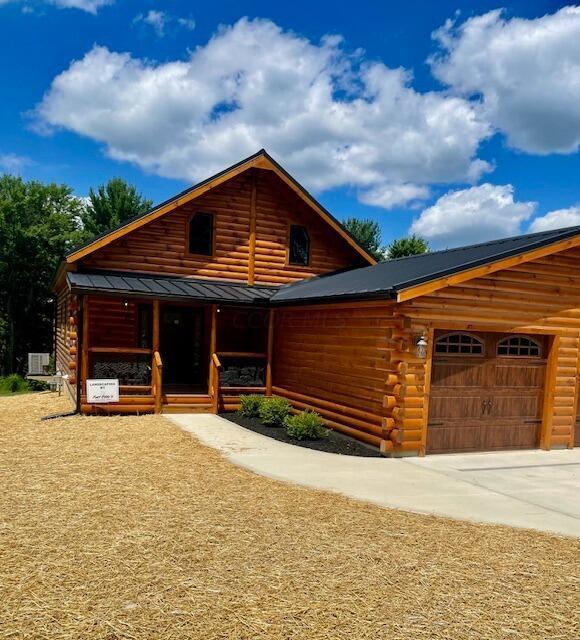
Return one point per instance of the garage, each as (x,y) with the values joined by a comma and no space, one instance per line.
(487,391)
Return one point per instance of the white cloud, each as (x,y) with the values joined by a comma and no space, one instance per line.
(526,73)
(91,6)
(12,163)
(557,220)
(394,195)
(331,117)
(160,21)
(473,215)
(155,19)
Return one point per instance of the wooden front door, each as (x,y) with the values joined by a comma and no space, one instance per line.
(486,392)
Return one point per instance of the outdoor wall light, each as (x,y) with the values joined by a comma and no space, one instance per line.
(421,348)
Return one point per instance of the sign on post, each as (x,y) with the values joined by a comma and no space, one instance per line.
(102,391)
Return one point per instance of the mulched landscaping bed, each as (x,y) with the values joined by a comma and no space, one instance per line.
(334,443)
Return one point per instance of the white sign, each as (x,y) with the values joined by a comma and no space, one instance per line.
(102,391)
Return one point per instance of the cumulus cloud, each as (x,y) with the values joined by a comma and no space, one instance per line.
(160,20)
(477,214)
(331,116)
(394,195)
(526,73)
(557,219)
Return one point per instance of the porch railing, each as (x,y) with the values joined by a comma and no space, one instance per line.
(216,366)
(157,380)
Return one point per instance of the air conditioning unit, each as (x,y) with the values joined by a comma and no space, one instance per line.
(38,364)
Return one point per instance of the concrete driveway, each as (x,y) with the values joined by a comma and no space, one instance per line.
(531,489)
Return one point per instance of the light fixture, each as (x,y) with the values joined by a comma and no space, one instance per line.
(421,347)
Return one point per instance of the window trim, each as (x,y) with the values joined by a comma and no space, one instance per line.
(288,238)
(518,335)
(459,355)
(213,239)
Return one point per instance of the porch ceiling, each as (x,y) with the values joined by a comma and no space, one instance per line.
(145,286)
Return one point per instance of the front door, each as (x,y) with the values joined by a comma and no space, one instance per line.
(181,343)
(486,392)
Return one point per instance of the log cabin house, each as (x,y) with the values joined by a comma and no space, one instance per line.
(244,283)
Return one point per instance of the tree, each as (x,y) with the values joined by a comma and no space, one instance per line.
(410,246)
(367,233)
(38,226)
(111,205)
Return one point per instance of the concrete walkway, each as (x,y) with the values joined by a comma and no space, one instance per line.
(531,489)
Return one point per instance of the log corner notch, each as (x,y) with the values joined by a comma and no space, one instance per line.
(404,405)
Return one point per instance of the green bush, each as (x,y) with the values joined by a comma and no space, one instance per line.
(250,405)
(306,425)
(37,385)
(273,411)
(13,384)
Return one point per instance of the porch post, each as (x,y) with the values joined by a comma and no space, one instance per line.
(155,344)
(270,352)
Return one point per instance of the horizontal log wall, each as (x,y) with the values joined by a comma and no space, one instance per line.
(541,296)
(160,247)
(66,356)
(113,322)
(336,360)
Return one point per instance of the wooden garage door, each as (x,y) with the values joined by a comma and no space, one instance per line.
(486,392)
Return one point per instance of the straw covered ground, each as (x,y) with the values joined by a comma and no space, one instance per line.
(128,528)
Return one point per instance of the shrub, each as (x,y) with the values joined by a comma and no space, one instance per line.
(306,425)
(250,405)
(37,385)
(13,384)
(273,411)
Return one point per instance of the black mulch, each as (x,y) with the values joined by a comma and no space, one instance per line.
(334,443)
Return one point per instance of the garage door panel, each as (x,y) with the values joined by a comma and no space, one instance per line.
(454,436)
(515,406)
(456,374)
(455,406)
(519,376)
(510,435)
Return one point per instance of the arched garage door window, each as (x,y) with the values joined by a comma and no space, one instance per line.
(459,344)
(518,347)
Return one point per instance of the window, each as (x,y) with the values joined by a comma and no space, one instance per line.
(519,346)
(144,322)
(299,250)
(459,344)
(201,234)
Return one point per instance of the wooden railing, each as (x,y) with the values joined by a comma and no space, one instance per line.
(216,365)
(157,380)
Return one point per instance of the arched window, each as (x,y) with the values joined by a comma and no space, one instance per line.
(519,346)
(459,344)
(299,249)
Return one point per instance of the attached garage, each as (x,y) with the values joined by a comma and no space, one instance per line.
(487,391)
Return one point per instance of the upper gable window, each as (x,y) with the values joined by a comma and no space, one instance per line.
(299,250)
(201,234)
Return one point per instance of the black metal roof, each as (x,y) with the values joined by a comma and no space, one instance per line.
(147,286)
(386,279)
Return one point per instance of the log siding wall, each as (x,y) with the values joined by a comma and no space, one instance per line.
(160,247)
(66,352)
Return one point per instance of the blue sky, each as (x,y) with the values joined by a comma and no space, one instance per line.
(471,134)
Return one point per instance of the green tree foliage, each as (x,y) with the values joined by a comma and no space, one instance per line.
(111,205)
(367,233)
(38,226)
(410,246)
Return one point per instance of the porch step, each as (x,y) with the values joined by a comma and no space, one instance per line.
(194,398)
(197,407)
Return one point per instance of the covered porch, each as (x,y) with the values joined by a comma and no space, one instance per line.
(174,344)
